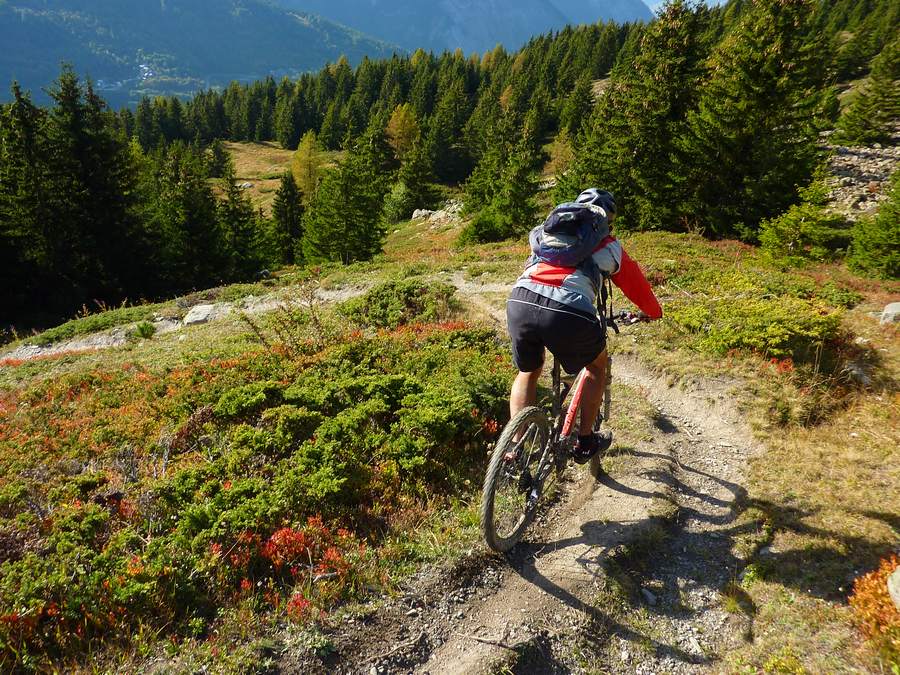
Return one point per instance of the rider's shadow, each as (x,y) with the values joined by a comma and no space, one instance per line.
(600,546)
(602,540)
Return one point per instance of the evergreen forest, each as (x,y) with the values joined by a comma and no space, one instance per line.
(686,119)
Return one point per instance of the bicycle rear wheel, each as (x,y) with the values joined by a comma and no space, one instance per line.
(513,485)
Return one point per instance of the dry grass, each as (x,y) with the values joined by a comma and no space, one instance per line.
(260,164)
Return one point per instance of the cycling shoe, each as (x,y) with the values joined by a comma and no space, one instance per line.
(600,441)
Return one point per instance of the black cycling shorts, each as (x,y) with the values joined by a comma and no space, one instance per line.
(536,322)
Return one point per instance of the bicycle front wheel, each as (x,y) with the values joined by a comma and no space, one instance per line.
(513,483)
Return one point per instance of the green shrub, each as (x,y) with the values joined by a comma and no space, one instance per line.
(397,303)
(247,400)
(489,225)
(804,232)
(399,203)
(775,327)
(94,323)
(369,428)
(875,250)
(145,330)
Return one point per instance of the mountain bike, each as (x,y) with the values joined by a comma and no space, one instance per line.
(535,445)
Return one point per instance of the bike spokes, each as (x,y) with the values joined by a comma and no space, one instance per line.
(517,486)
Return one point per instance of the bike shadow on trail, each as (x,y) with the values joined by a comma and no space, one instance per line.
(602,539)
(598,549)
(669,480)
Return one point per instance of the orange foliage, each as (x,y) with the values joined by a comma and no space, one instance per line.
(876,614)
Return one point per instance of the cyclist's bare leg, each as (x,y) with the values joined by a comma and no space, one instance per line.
(524,392)
(592,394)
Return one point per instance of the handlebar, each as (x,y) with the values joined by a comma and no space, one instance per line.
(626,319)
(630,318)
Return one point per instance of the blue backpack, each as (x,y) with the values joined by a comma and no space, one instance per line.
(569,237)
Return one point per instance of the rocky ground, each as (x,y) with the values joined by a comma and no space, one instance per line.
(860,177)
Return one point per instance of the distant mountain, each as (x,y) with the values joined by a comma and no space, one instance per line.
(133,47)
(472,25)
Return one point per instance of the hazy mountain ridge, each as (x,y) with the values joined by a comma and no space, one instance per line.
(472,25)
(176,45)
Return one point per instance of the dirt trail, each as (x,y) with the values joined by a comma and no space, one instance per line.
(120,335)
(696,460)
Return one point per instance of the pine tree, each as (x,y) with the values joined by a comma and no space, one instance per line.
(752,139)
(501,190)
(333,127)
(179,210)
(449,158)
(92,187)
(287,116)
(403,130)
(414,187)
(238,223)
(287,220)
(218,160)
(872,114)
(875,250)
(306,165)
(578,106)
(147,131)
(629,143)
(25,218)
(343,222)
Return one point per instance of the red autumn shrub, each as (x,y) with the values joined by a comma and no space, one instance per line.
(876,613)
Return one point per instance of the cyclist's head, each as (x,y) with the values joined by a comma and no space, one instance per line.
(605,200)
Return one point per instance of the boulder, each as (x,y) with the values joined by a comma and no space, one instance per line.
(421,213)
(199,314)
(891,313)
(893,585)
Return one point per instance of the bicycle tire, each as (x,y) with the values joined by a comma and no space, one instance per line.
(502,474)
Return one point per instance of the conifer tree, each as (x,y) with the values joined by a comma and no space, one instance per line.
(413,189)
(403,130)
(179,211)
(343,222)
(752,139)
(333,127)
(306,165)
(218,159)
(629,143)
(24,216)
(287,220)
(92,184)
(501,190)
(875,249)
(871,115)
(239,225)
(449,158)
(287,116)
(577,108)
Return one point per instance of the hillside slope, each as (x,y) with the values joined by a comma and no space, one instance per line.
(284,475)
(471,25)
(174,46)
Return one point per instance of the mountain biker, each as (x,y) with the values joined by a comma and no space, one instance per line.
(555,307)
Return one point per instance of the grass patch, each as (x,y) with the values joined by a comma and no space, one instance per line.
(93,323)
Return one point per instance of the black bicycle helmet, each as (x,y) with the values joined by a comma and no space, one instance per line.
(605,200)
